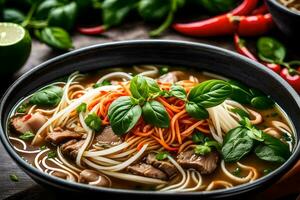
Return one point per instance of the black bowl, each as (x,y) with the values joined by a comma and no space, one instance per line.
(190,55)
(287,20)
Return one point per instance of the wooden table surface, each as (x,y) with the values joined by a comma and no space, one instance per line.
(25,188)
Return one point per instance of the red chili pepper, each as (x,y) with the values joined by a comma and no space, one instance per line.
(263,9)
(219,25)
(275,67)
(26,117)
(96,30)
(245,7)
(241,48)
(292,79)
(254,25)
(227,25)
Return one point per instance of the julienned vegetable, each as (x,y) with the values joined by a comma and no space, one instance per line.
(125,112)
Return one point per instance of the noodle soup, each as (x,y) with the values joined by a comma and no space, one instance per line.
(151,128)
(294,5)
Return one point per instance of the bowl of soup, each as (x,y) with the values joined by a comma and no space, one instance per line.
(286,15)
(152,117)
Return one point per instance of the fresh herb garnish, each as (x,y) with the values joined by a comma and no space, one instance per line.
(242,113)
(154,113)
(93,121)
(249,96)
(27,135)
(43,147)
(22,108)
(267,171)
(162,155)
(49,96)
(123,114)
(178,91)
(206,148)
(163,70)
(240,141)
(237,171)
(81,108)
(103,83)
(198,137)
(51,154)
(202,150)
(14,177)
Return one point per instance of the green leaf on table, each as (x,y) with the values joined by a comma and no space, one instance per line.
(55,37)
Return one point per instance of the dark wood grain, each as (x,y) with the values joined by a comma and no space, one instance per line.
(26,188)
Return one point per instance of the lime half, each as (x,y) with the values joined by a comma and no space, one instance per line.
(15,47)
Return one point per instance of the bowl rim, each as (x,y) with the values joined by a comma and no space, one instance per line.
(51,180)
(284,8)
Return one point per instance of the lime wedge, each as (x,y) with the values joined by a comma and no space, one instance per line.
(15,47)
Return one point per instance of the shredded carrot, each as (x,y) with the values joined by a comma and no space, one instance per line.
(174,138)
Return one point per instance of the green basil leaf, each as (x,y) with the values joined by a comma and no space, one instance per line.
(63,16)
(272,149)
(152,85)
(236,144)
(210,93)
(178,91)
(81,108)
(162,155)
(268,154)
(13,15)
(154,10)
(55,37)
(123,114)
(27,136)
(240,92)
(139,87)
(270,50)
(93,121)
(154,113)
(262,102)
(114,11)
(49,96)
(242,113)
(44,8)
(196,111)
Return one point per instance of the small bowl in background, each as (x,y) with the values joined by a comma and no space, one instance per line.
(286,19)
